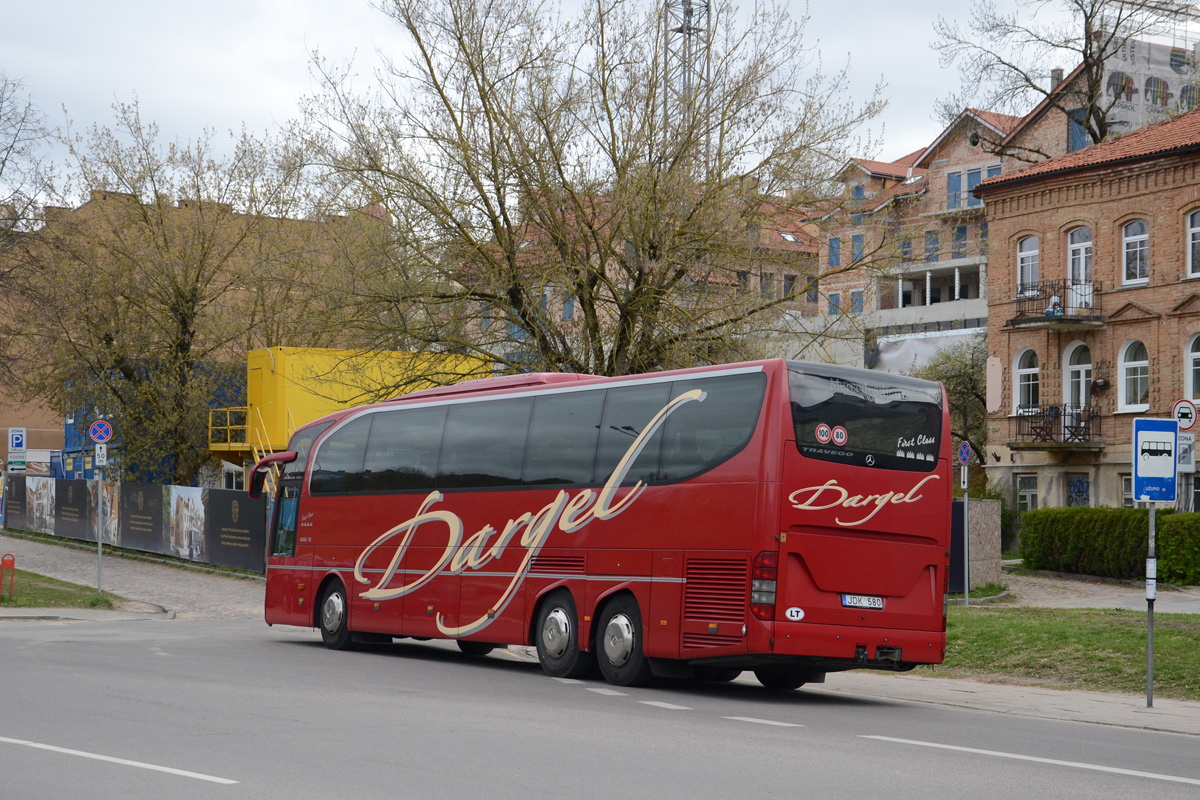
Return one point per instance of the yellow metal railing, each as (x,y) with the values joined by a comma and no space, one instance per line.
(227,428)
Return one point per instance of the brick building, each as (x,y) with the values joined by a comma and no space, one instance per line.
(1093,311)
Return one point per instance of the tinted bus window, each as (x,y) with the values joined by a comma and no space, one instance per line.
(302,443)
(627,411)
(402,451)
(562,438)
(484,444)
(841,415)
(700,435)
(338,464)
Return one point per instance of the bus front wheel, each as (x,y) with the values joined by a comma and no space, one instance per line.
(619,640)
(335,631)
(557,638)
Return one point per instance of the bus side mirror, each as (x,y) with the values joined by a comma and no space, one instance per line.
(258,476)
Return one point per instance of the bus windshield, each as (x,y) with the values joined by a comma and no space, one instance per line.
(848,417)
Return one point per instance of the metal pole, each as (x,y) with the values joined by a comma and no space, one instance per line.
(1151,588)
(100,535)
(966,548)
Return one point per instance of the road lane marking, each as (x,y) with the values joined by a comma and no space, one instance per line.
(766,722)
(608,692)
(567,680)
(1056,762)
(111,760)
(668,706)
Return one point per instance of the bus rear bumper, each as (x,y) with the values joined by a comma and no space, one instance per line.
(865,647)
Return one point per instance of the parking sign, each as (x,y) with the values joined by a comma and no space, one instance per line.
(1155,443)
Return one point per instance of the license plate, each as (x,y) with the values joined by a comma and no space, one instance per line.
(862,601)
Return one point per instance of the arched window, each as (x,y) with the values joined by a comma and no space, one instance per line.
(1077,390)
(1025,393)
(1191,369)
(1134,391)
(1027,265)
(1079,269)
(1136,238)
(1193,245)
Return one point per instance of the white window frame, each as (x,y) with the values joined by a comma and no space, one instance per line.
(1079,253)
(1124,366)
(1026,377)
(1193,244)
(1141,243)
(1027,265)
(1077,373)
(1191,367)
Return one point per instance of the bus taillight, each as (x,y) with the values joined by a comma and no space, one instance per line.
(762,584)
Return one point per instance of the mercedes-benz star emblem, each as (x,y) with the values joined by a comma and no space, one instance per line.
(870,461)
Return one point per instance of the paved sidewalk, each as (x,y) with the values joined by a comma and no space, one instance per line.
(155,588)
(164,592)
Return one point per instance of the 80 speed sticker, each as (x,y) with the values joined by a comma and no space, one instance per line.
(826,434)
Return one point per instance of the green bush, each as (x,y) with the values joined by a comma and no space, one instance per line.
(1111,542)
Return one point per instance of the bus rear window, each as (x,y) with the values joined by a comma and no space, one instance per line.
(893,422)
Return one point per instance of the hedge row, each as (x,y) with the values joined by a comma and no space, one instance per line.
(1112,542)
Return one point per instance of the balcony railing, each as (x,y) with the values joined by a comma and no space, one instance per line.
(1058,424)
(1059,301)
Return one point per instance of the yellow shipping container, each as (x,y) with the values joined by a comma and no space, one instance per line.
(289,386)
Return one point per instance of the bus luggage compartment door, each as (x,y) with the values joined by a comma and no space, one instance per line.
(866,581)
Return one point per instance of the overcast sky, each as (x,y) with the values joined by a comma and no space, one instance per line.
(222,63)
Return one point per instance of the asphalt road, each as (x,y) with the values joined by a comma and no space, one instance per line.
(232,709)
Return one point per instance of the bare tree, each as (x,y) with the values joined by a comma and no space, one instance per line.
(557,205)
(140,301)
(1005,59)
(23,131)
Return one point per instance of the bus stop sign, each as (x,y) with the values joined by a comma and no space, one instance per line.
(1155,442)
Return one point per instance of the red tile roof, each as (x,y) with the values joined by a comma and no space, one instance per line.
(1005,123)
(1179,133)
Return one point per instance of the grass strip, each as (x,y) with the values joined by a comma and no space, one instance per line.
(30,590)
(1100,650)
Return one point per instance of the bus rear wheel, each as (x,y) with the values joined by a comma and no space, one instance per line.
(335,629)
(557,638)
(780,680)
(619,644)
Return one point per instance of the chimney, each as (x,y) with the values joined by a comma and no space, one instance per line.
(1056,76)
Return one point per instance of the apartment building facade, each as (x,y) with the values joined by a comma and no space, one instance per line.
(1093,312)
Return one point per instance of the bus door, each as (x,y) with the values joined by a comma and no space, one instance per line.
(288,566)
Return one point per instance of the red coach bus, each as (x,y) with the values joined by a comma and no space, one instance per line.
(783,517)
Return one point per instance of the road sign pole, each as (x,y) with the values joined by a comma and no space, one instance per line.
(100,535)
(966,548)
(1151,591)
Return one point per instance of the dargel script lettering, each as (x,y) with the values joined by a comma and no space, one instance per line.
(565,513)
(830,495)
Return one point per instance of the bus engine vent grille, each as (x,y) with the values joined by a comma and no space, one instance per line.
(715,590)
(558,565)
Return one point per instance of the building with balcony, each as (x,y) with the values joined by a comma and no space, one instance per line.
(903,251)
(1093,311)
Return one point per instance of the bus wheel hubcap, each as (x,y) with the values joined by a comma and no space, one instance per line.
(556,633)
(332,612)
(618,640)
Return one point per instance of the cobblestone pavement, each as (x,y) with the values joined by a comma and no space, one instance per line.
(1054,592)
(188,592)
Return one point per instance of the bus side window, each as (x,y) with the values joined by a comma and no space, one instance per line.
(402,451)
(700,435)
(562,438)
(338,462)
(484,444)
(627,411)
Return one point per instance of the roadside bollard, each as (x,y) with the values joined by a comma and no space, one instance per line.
(7,564)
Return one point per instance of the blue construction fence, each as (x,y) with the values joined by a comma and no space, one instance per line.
(222,527)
